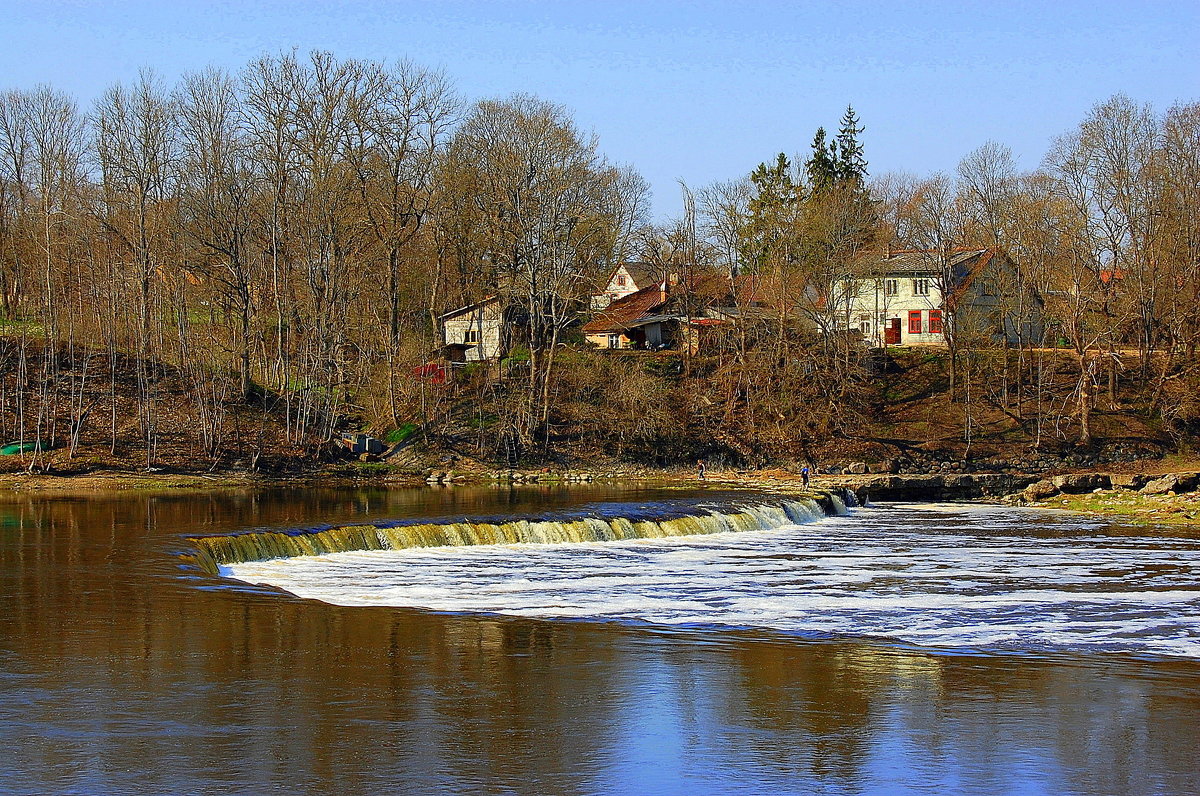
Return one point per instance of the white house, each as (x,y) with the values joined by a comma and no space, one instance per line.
(900,298)
(476,332)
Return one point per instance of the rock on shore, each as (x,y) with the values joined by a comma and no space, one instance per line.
(1142,499)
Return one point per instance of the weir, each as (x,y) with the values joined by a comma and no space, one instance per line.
(601,524)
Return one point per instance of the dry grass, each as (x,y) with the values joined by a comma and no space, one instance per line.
(1133,507)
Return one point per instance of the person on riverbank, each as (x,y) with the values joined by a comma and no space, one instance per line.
(804,475)
(700,469)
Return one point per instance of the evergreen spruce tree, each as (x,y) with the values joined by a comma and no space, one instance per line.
(772,208)
(839,215)
(850,164)
(821,170)
(773,186)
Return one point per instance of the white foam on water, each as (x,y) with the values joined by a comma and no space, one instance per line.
(933,575)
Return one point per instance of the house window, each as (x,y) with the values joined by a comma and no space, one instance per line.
(614,341)
(891,287)
(621,281)
(920,287)
(914,321)
(471,337)
(935,321)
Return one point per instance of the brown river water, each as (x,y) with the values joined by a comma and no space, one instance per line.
(678,666)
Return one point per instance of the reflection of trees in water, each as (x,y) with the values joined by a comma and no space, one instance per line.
(819,695)
(119,673)
(856,711)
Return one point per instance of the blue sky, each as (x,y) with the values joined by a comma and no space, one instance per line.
(700,91)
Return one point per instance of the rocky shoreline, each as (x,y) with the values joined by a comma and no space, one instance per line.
(1171,498)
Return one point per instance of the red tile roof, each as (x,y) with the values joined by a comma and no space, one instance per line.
(625,311)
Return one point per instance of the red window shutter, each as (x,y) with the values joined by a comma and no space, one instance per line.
(935,321)
(914,321)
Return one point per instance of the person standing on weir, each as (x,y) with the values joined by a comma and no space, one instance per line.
(804,475)
(700,469)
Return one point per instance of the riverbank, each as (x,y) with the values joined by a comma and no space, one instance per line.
(120,481)
(1143,495)
(1133,508)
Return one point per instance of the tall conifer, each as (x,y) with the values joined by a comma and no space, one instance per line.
(850,164)
(821,170)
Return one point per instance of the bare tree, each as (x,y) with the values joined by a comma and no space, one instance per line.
(554,213)
(137,151)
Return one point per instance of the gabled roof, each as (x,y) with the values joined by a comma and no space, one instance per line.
(643,274)
(917,261)
(625,312)
(964,269)
(964,265)
(483,302)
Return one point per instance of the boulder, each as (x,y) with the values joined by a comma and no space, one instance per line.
(858,468)
(1172,482)
(1040,490)
(1081,483)
(1123,481)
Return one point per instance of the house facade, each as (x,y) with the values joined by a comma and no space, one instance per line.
(638,320)
(627,279)
(476,332)
(903,305)
(907,298)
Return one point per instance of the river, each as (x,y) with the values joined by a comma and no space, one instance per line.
(898,649)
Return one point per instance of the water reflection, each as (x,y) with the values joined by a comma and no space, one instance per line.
(119,675)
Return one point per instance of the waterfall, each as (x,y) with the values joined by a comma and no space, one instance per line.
(663,519)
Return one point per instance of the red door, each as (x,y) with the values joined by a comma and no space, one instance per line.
(891,332)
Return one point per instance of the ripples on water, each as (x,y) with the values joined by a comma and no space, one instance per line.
(983,578)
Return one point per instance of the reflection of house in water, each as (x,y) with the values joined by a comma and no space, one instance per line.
(476,332)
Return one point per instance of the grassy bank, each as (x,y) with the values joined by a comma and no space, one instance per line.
(1132,507)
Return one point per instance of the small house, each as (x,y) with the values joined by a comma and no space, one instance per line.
(476,332)
(673,314)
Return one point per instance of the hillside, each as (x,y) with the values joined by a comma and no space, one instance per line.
(96,411)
